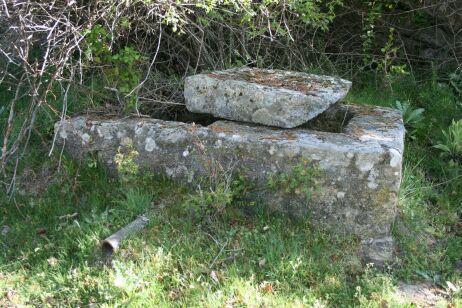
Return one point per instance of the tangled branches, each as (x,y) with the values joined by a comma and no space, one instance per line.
(49,47)
(42,56)
(42,39)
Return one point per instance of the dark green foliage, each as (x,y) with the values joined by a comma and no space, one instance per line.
(121,70)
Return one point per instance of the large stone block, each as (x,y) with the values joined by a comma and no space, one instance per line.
(345,178)
(270,97)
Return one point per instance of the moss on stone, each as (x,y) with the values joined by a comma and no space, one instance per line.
(301,179)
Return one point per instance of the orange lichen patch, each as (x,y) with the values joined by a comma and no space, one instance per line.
(220,129)
(273,79)
(289,136)
(192,128)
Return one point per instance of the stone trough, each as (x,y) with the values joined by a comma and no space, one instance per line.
(341,170)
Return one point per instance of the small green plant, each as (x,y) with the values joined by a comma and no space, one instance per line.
(451,145)
(127,168)
(207,203)
(96,44)
(455,80)
(300,180)
(369,32)
(219,195)
(389,51)
(411,116)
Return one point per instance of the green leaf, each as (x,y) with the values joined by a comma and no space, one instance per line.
(442,147)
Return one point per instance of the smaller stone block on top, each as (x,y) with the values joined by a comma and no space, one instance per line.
(270,97)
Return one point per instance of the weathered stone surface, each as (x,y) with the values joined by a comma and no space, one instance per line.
(347,182)
(270,97)
(424,294)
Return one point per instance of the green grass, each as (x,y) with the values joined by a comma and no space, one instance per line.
(50,256)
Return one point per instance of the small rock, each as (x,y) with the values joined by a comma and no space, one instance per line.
(5,230)
(214,276)
(378,251)
(262,262)
(52,261)
(422,294)
(458,266)
(452,287)
(10,295)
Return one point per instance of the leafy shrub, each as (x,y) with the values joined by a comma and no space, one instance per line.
(121,70)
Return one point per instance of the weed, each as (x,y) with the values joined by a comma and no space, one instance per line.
(127,168)
(455,80)
(451,145)
(411,116)
(212,198)
(302,179)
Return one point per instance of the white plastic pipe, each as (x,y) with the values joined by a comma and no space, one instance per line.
(112,243)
